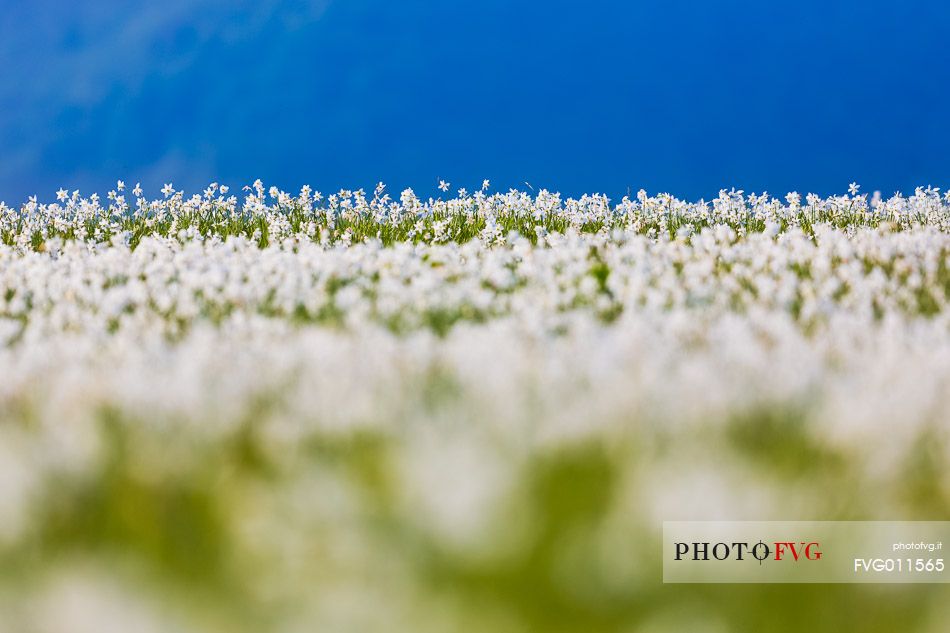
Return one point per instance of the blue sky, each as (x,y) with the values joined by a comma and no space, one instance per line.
(684,97)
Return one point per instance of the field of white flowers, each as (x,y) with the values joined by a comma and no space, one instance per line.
(278,412)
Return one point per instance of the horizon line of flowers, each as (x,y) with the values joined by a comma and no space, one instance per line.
(257,192)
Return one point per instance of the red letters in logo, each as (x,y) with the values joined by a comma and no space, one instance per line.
(810,551)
